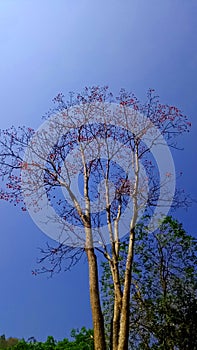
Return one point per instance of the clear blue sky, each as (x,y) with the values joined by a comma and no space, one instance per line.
(58,46)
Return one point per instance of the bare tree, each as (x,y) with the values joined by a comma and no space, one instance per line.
(87,175)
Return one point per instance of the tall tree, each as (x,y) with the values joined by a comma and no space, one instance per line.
(114,150)
(163,303)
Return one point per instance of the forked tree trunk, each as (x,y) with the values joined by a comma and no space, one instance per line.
(97,316)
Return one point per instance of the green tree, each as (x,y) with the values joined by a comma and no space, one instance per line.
(163,308)
(82,340)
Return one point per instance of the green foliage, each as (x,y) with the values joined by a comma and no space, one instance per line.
(82,340)
(163,291)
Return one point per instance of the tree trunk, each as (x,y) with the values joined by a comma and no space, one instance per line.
(97,316)
(117,307)
(125,312)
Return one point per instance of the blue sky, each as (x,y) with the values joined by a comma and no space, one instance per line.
(60,46)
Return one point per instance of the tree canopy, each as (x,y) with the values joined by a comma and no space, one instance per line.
(163,306)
